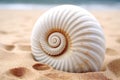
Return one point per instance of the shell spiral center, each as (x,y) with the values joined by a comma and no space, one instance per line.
(55,44)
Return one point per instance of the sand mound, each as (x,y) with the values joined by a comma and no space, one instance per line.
(18,72)
(111,52)
(8,47)
(113,70)
(39,66)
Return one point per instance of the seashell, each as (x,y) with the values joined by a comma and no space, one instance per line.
(68,38)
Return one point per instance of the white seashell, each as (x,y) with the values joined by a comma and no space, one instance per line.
(68,38)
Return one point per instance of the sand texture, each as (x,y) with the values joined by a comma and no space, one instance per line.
(17,63)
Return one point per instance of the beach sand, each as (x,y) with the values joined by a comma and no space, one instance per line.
(17,63)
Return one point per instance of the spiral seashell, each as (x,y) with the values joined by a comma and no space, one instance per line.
(68,38)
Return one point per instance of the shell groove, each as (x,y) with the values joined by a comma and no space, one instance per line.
(68,38)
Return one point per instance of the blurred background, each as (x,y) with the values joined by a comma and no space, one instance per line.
(39,4)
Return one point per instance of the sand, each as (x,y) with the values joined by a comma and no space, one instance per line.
(17,63)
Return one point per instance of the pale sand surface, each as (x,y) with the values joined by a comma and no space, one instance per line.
(17,63)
